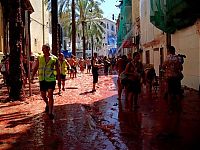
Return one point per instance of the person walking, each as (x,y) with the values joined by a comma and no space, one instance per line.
(107,64)
(81,64)
(63,65)
(4,68)
(135,72)
(88,64)
(73,63)
(46,64)
(120,67)
(95,67)
(173,73)
(5,71)
(150,77)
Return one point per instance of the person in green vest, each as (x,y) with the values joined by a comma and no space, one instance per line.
(46,65)
(63,65)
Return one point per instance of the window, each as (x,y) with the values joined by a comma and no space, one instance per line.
(112,28)
(147,57)
(103,24)
(35,42)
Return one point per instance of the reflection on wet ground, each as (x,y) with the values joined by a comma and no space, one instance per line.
(97,120)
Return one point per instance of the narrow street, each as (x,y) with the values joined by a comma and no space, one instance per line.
(98,121)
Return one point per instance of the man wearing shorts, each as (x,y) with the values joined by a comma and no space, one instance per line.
(63,64)
(95,67)
(173,68)
(46,65)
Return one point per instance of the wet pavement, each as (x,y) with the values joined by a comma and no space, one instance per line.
(98,121)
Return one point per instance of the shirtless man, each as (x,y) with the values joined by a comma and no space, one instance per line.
(73,64)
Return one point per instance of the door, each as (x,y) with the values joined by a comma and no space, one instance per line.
(156,60)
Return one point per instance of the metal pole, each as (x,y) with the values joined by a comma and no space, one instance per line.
(27,49)
(43,21)
(54,15)
(84,47)
(73,29)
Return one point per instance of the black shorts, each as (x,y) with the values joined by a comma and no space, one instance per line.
(44,85)
(62,77)
(89,66)
(134,86)
(174,85)
(95,77)
(74,69)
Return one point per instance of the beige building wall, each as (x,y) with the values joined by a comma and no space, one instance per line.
(135,19)
(135,10)
(39,35)
(187,42)
(152,39)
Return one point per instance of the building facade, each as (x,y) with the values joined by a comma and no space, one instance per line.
(156,25)
(172,23)
(187,42)
(125,37)
(109,44)
(39,26)
(152,40)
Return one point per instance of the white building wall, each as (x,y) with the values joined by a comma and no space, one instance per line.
(105,47)
(187,42)
(150,33)
(36,26)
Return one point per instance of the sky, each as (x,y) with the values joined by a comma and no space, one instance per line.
(109,8)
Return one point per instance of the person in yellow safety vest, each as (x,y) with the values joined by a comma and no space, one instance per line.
(46,65)
(63,65)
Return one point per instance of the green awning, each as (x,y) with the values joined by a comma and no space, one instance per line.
(171,15)
(125,21)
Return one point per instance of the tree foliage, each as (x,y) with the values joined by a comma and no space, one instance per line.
(87,11)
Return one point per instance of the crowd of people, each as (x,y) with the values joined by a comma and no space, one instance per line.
(132,74)
(52,70)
